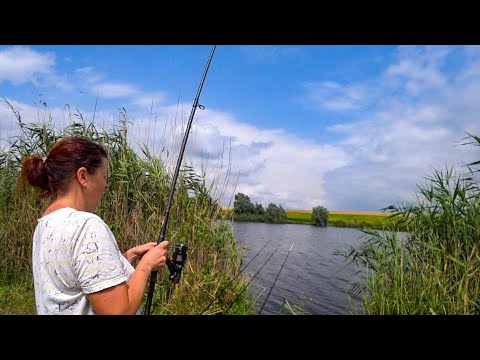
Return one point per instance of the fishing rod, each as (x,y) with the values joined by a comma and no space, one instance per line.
(226,287)
(253,277)
(284,261)
(180,253)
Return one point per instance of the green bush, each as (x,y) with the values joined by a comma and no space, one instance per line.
(275,214)
(320,216)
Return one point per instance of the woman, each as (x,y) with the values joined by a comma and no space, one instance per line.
(77,265)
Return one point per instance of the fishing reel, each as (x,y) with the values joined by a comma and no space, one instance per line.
(176,264)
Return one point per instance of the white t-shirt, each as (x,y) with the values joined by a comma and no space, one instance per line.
(74,254)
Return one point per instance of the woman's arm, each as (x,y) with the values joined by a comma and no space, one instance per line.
(126,298)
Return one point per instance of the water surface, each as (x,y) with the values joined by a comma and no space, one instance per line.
(310,278)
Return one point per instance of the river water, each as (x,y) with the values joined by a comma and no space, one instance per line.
(306,278)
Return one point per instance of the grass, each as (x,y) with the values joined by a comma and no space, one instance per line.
(17,298)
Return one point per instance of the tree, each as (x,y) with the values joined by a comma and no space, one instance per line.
(275,214)
(259,210)
(320,216)
(243,205)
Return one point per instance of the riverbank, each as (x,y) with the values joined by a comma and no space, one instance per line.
(339,218)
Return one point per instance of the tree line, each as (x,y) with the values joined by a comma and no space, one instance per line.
(245,210)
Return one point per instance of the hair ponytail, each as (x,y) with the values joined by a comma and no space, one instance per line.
(34,171)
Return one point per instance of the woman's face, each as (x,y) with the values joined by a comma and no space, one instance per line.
(97,185)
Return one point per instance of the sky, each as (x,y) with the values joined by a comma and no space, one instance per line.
(344,127)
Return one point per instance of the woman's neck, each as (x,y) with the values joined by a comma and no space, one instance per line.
(64,201)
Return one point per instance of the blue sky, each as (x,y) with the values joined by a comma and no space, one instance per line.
(345,127)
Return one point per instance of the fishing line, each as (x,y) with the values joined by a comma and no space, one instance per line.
(284,261)
(226,287)
(254,276)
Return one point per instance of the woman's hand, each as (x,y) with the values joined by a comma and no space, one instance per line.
(137,252)
(155,257)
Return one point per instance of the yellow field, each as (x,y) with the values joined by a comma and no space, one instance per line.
(373,213)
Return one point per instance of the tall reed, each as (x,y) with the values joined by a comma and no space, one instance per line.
(435,267)
(133,207)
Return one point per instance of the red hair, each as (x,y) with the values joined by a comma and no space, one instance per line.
(54,172)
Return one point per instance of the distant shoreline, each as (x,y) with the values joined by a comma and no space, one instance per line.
(352,212)
(336,218)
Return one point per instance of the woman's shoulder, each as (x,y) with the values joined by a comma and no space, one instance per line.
(85,221)
(87,217)
(71,215)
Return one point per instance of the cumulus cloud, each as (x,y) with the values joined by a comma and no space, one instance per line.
(396,146)
(20,64)
(148,100)
(268,165)
(333,96)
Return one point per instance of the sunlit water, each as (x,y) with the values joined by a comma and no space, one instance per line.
(310,278)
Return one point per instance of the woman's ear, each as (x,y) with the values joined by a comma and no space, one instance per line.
(82,176)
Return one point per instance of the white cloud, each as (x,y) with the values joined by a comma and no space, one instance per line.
(20,64)
(271,165)
(96,85)
(88,75)
(419,68)
(379,160)
(148,100)
(114,90)
(395,147)
(334,96)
